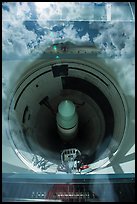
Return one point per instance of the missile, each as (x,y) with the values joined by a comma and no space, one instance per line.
(67,120)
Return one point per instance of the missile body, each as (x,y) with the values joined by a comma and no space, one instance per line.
(67,120)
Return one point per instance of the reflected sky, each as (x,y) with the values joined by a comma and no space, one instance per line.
(28,28)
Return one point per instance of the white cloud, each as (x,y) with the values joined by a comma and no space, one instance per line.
(121,11)
(71,34)
(68,33)
(15,39)
(15,36)
(63,11)
(117,41)
(18,12)
(85,38)
(114,37)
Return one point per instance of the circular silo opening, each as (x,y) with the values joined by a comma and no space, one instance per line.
(99,102)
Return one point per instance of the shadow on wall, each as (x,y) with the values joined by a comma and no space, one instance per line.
(127,143)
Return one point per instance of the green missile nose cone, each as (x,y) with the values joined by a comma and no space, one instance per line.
(67,116)
(66,109)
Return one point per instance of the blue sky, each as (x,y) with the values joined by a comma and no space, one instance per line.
(30,27)
(27,26)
